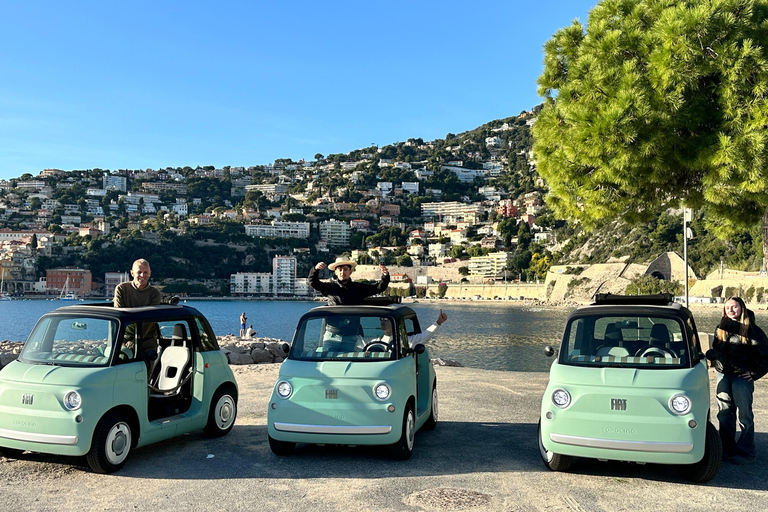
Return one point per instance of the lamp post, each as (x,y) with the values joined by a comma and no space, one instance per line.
(687,215)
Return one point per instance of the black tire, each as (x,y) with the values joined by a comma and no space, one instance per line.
(553,461)
(403,449)
(280,447)
(706,469)
(431,422)
(222,413)
(112,442)
(10,453)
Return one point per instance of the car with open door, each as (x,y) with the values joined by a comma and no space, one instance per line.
(352,378)
(630,383)
(97,381)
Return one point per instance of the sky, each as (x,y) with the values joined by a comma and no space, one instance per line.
(156,84)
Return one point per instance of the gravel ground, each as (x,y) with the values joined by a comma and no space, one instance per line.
(482,456)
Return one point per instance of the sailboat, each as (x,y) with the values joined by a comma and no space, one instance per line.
(3,295)
(66,294)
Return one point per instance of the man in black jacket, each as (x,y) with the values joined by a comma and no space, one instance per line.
(345,291)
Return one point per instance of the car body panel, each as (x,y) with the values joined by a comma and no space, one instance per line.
(32,414)
(333,401)
(620,405)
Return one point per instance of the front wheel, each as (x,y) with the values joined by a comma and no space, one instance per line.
(112,442)
(706,469)
(403,449)
(222,414)
(280,447)
(553,461)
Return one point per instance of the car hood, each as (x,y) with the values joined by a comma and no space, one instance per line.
(17,372)
(630,377)
(344,369)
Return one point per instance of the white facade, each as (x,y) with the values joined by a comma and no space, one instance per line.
(278,229)
(250,283)
(115,183)
(284,275)
(335,232)
(490,266)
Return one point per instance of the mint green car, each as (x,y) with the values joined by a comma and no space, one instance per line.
(630,384)
(352,378)
(89,382)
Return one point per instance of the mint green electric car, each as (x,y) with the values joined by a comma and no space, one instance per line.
(89,381)
(352,378)
(630,384)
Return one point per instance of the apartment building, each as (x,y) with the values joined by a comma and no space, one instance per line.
(490,266)
(335,232)
(278,229)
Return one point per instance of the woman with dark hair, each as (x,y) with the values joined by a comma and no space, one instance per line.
(740,354)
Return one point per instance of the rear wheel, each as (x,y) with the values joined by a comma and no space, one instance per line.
(553,461)
(431,422)
(222,414)
(403,449)
(706,469)
(281,447)
(112,442)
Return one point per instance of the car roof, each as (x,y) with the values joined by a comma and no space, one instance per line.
(651,305)
(394,310)
(105,309)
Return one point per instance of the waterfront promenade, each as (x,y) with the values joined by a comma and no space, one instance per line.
(482,456)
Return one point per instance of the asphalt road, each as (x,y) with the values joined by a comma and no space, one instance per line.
(482,456)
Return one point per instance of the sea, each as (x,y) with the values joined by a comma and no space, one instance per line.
(492,335)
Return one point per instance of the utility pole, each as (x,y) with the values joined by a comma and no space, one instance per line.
(687,215)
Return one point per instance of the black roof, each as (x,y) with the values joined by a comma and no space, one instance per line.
(662,304)
(106,310)
(394,310)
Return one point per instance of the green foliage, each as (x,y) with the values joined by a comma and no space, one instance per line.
(657,102)
(441,289)
(647,285)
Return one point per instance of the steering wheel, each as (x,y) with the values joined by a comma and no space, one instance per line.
(656,352)
(377,346)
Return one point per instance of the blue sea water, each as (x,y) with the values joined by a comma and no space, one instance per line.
(483,334)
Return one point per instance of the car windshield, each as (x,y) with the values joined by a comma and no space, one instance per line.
(70,341)
(344,337)
(627,341)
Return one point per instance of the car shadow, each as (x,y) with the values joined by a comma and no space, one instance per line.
(453,448)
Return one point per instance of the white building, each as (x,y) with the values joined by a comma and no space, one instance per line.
(250,283)
(284,275)
(335,232)
(278,229)
(490,266)
(110,182)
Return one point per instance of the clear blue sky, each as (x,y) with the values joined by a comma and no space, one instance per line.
(155,84)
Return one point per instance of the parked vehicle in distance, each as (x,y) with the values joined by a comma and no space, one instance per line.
(630,383)
(352,378)
(99,381)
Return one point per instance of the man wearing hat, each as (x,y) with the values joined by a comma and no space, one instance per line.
(344,290)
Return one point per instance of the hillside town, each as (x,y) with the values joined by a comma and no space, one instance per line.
(412,204)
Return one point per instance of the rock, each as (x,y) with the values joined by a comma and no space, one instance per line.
(260,355)
(238,358)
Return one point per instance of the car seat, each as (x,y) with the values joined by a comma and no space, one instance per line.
(174,365)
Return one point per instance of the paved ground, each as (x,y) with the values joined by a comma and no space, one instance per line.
(482,456)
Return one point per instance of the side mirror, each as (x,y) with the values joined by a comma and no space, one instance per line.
(285,348)
(549,351)
(419,348)
(712,354)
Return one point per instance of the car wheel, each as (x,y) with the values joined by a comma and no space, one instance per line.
(431,422)
(222,414)
(10,453)
(112,442)
(280,447)
(403,449)
(706,469)
(553,461)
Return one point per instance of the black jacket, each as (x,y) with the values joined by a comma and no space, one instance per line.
(735,358)
(350,293)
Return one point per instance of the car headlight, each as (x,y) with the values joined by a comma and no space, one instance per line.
(680,404)
(284,389)
(72,400)
(382,391)
(561,398)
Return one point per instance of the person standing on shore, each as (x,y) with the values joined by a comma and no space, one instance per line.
(740,355)
(344,290)
(137,292)
(243,318)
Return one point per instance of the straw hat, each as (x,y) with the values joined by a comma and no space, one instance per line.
(342,261)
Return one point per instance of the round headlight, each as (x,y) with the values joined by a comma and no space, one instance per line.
(284,389)
(561,398)
(680,404)
(382,391)
(72,400)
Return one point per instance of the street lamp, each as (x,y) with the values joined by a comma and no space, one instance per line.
(687,216)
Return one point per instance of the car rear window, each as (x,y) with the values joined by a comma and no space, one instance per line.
(70,341)
(345,337)
(632,341)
